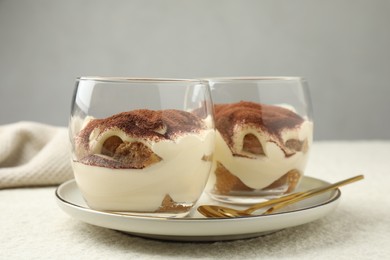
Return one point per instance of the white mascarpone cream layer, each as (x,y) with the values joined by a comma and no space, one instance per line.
(260,171)
(182,174)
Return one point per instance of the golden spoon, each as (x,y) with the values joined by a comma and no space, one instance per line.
(215,211)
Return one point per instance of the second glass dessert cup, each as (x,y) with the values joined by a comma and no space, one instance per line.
(141,146)
(264,132)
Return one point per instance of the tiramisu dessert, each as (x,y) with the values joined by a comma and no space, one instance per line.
(143,161)
(261,150)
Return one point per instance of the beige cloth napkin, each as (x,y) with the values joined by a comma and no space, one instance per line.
(33,154)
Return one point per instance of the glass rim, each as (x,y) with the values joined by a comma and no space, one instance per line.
(255,78)
(138,79)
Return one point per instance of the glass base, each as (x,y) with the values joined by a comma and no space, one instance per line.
(171,210)
(248,197)
(152,214)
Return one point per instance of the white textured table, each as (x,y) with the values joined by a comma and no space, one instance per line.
(32,226)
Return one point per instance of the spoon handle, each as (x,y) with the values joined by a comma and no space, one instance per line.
(313,192)
(291,196)
(260,205)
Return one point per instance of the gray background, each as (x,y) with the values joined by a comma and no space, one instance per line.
(340,46)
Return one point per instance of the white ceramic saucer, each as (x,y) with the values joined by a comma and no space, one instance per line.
(195,227)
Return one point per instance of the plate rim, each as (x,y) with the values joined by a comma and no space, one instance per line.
(334,198)
(196,229)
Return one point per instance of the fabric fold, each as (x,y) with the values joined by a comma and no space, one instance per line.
(33,154)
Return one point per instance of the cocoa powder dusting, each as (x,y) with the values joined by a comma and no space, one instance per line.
(271,119)
(146,124)
(142,124)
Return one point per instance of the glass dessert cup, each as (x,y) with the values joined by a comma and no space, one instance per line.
(264,132)
(141,146)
